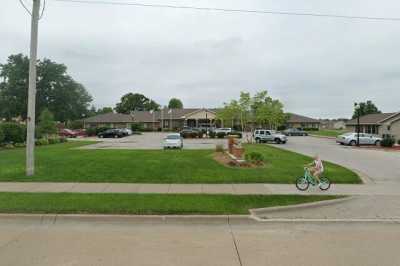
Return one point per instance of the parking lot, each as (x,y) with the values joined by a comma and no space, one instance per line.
(151,141)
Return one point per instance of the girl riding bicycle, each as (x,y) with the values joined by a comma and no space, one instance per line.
(316,168)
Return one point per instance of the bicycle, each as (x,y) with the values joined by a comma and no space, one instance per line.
(303,182)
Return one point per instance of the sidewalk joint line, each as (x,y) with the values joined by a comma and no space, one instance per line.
(234,242)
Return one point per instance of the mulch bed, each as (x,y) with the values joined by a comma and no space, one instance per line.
(224,159)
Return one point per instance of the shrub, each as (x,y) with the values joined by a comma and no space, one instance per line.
(254,157)
(54,140)
(220,135)
(19,145)
(387,142)
(398,141)
(137,127)
(13,132)
(219,148)
(40,142)
(1,136)
(200,134)
(91,131)
(62,140)
(9,146)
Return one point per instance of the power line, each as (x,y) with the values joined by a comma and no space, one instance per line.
(24,6)
(100,2)
(44,7)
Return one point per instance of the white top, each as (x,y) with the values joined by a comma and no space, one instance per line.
(319,165)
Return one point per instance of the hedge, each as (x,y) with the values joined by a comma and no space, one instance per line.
(13,132)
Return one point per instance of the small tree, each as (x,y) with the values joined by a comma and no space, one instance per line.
(46,125)
(1,135)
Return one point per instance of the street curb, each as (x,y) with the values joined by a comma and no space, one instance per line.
(134,219)
(256,212)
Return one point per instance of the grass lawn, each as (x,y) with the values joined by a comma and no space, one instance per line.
(61,163)
(144,203)
(328,133)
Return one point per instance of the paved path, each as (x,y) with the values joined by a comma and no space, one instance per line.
(49,242)
(373,189)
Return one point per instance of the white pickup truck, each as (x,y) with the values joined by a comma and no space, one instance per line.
(266,135)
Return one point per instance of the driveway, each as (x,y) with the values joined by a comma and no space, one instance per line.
(151,141)
(378,166)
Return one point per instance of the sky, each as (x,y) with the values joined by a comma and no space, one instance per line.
(316,66)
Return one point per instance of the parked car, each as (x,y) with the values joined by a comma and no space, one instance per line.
(189,132)
(295,132)
(365,139)
(265,135)
(112,133)
(225,130)
(68,133)
(173,141)
(127,131)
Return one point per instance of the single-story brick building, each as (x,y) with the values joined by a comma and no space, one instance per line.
(385,124)
(299,121)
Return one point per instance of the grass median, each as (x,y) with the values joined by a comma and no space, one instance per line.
(144,204)
(64,163)
(328,133)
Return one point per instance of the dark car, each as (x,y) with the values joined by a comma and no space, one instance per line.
(295,132)
(189,132)
(111,133)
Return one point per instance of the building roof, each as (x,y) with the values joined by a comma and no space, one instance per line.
(371,119)
(166,113)
(295,118)
(109,118)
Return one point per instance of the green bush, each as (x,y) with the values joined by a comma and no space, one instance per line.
(398,141)
(20,145)
(54,140)
(387,142)
(254,157)
(1,135)
(137,127)
(221,135)
(13,132)
(9,146)
(40,142)
(62,140)
(200,134)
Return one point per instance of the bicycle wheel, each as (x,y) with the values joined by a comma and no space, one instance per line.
(324,183)
(302,183)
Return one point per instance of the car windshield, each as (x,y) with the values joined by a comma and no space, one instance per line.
(348,134)
(173,137)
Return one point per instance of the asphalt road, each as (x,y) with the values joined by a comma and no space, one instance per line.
(379,166)
(72,242)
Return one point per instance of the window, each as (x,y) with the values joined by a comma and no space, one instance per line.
(388,128)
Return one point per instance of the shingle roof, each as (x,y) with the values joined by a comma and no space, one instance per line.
(109,118)
(370,119)
(295,118)
(145,116)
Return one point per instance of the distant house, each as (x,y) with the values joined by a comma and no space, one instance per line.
(299,121)
(385,124)
(333,124)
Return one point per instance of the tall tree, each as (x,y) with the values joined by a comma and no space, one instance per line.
(56,90)
(135,102)
(175,103)
(365,108)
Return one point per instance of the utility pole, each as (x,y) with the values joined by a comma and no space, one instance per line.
(30,137)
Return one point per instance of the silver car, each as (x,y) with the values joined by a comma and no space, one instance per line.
(365,139)
(173,141)
(265,135)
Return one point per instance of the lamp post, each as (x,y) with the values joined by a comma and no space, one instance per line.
(357,109)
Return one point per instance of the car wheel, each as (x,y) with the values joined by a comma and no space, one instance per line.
(116,136)
(353,143)
(258,140)
(377,143)
(278,141)
(101,136)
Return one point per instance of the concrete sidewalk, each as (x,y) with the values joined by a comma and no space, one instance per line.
(387,189)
